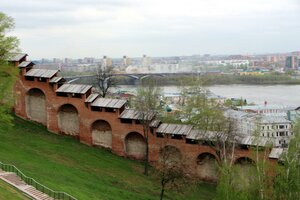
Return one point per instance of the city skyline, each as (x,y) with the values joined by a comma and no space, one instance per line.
(157,28)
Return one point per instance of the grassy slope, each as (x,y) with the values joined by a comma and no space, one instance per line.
(8,192)
(62,163)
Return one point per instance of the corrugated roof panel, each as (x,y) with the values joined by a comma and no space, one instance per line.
(55,79)
(108,103)
(25,64)
(74,88)
(91,98)
(41,73)
(179,129)
(17,57)
(276,153)
(155,123)
(138,115)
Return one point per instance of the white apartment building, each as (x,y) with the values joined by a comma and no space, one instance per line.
(278,129)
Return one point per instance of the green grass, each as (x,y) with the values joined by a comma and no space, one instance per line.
(9,192)
(63,164)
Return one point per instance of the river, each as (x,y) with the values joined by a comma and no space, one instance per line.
(274,94)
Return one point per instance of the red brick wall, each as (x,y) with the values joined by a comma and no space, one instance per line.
(87,117)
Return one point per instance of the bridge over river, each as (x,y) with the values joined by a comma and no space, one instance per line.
(136,76)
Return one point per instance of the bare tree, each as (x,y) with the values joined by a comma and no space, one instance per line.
(146,103)
(171,171)
(104,78)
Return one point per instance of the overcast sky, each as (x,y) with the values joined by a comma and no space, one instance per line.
(79,28)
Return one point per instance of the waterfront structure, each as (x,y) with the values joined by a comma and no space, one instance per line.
(266,109)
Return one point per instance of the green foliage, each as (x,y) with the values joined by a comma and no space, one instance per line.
(8,192)
(202,112)
(287,182)
(62,163)
(235,102)
(8,74)
(8,44)
(147,97)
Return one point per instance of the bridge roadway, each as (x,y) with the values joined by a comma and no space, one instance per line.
(137,76)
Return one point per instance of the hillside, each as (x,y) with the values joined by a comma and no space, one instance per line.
(62,163)
(8,192)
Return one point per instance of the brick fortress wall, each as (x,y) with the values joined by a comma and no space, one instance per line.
(38,99)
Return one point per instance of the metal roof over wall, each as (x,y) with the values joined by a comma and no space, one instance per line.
(41,73)
(91,98)
(26,64)
(108,103)
(276,153)
(56,79)
(74,88)
(176,129)
(254,141)
(17,57)
(137,115)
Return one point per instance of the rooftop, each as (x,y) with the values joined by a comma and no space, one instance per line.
(74,88)
(276,153)
(177,129)
(26,64)
(108,103)
(137,115)
(91,98)
(41,73)
(17,57)
(56,79)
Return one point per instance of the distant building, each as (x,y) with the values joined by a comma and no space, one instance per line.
(291,62)
(106,62)
(266,109)
(126,61)
(146,61)
(277,129)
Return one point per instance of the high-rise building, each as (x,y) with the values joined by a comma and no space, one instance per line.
(291,62)
(126,61)
(106,62)
(146,61)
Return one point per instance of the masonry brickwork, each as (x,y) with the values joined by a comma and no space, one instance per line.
(37,100)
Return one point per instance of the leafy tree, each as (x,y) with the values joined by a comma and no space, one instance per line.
(287,181)
(8,46)
(146,103)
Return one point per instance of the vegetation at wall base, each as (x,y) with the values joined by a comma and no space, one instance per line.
(63,164)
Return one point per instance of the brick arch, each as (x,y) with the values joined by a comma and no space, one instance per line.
(244,161)
(35,103)
(244,170)
(135,145)
(207,167)
(170,155)
(101,133)
(68,120)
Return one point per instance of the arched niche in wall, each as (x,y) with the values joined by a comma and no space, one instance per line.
(244,173)
(207,167)
(35,103)
(102,134)
(68,120)
(135,145)
(170,155)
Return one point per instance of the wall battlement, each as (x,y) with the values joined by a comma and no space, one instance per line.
(44,97)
